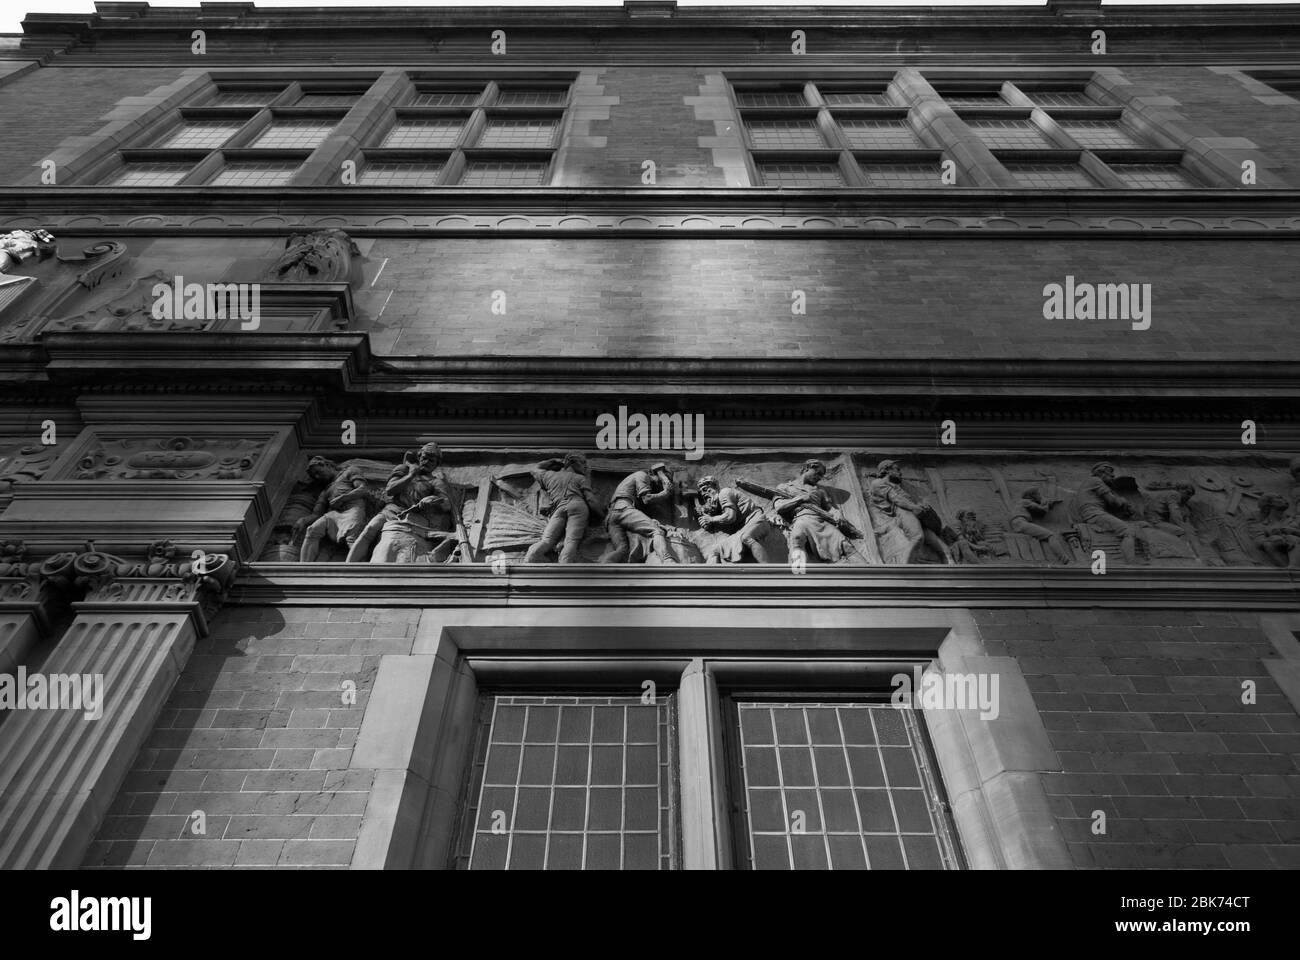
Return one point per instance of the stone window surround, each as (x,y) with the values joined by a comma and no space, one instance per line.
(95,159)
(942,132)
(414,733)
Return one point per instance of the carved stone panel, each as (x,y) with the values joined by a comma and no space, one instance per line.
(169,458)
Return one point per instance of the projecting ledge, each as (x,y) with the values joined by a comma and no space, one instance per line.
(752,585)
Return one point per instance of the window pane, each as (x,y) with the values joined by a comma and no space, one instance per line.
(239,97)
(294,134)
(322,98)
(523,97)
(974,100)
(784,134)
(200,134)
(1155,176)
(503,174)
(400,174)
(1010,134)
(518,133)
(866,98)
(800,175)
(150,174)
(835,786)
(879,134)
(567,783)
(1062,98)
(770,98)
(445,98)
(254,175)
(1102,134)
(1051,176)
(903,175)
(424,133)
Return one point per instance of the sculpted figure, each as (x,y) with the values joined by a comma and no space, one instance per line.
(19,245)
(641,489)
(1102,509)
(1167,509)
(418,518)
(895,510)
(816,525)
(1294,469)
(1029,509)
(318,257)
(569,503)
(970,545)
(340,512)
(727,510)
(1275,532)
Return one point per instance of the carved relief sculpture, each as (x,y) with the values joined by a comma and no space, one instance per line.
(817,527)
(741,525)
(422,518)
(340,512)
(644,488)
(1098,505)
(1276,532)
(968,542)
(567,503)
(901,523)
(170,458)
(1027,518)
(323,256)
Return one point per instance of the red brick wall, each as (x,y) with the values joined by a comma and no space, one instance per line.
(55,103)
(1230,109)
(257,736)
(887,298)
(1144,709)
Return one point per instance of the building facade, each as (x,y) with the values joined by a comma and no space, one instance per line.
(650,437)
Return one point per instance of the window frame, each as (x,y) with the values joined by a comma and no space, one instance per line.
(463,827)
(936,796)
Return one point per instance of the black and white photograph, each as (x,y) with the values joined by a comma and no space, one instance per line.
(648,435)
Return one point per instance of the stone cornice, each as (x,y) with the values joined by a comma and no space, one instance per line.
(243,34)
(326,584)
(576,212)
(291,363)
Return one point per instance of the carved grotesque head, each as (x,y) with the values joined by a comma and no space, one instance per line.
(968,521)
(324,256)
(321,469)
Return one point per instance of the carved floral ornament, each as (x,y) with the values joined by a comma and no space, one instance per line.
(171,458)
(165,575)
(776,508)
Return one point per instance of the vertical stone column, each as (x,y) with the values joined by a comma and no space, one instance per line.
(705,844)
(61,768)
